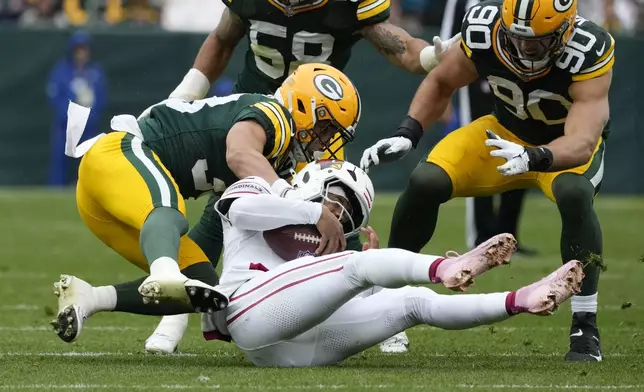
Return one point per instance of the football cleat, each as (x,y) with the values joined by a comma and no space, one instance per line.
(544,297)
(75,305)
(201,296)
(167,335)
(396,344)
(584,338)
(457,272)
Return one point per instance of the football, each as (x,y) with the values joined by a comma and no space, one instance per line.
(294,241)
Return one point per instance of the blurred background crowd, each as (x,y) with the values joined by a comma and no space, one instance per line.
(618,16)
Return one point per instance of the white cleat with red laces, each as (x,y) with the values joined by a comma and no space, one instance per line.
(457,272)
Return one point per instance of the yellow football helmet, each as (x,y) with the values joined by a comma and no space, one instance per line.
(325,106)
(535,32)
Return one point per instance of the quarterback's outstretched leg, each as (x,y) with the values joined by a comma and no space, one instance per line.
(362,322)
(306,291)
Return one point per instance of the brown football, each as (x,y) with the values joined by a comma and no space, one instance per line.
(294,241)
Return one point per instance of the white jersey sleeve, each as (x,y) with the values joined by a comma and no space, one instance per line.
(249,204)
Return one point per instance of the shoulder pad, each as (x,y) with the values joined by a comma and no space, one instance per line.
(372,11)
(589,53)
(249,186)
(478,26)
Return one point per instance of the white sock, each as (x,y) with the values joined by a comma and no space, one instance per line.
(389,268)
(586,303)
(172,326)
(455,311)
(104,298)
(164,266)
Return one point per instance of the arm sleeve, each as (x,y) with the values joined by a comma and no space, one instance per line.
(267,212)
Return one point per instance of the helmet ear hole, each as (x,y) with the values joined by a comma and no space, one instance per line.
(300,106)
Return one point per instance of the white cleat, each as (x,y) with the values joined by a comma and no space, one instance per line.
(458,272)
(168,335)
(177,287)
(75,305)
(396,344)
(544,297)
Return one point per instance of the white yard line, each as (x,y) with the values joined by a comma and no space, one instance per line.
(25,275)
(550,386)
(310,387)
(21,307)
(118,354)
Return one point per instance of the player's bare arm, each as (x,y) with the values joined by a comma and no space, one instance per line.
(585,123)
(244,151)
(429,104)
(397,45)
(434,93)
(212,58)
(219,45)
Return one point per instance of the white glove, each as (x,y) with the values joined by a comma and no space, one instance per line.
(430,56)
(516,155)
(386,150)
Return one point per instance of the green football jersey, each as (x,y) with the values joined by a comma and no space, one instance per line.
(280,38)
(534,108)
(190,137)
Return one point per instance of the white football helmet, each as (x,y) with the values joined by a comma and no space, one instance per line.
(317,180)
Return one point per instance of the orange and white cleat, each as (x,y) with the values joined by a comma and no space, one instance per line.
(544,297)
(457,272)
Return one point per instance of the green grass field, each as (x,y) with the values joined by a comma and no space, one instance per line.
(41,236)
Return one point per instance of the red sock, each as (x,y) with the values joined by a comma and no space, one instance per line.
(510,304)
(432,270)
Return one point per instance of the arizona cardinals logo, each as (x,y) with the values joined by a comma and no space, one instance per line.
(563,5)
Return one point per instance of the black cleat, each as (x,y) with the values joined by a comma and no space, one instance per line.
(584,338)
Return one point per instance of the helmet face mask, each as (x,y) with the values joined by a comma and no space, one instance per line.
(534,33)
(343,187)
(325,106)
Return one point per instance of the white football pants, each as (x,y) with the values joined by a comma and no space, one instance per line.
(306,312)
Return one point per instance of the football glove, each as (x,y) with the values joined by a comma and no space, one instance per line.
(430,56)
(516,155)
(385,150)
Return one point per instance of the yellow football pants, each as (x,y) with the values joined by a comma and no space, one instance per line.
(467,160)
(120,181)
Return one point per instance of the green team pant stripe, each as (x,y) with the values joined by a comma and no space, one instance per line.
(595,172)
(174,199)
(133,150)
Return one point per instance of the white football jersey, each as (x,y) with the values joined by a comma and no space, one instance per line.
(246,254)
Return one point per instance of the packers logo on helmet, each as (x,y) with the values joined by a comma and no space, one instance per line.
(535,32)
(325,106)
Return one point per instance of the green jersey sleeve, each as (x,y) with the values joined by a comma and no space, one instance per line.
(276,121)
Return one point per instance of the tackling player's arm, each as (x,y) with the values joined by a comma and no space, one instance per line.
(585,123)
(244,151)
(432,98)
(212,58)
(397,45)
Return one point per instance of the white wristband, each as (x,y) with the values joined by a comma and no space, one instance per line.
(428,58)
(195,85)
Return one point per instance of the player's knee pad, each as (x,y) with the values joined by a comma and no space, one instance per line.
(573,192)
(431,182)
